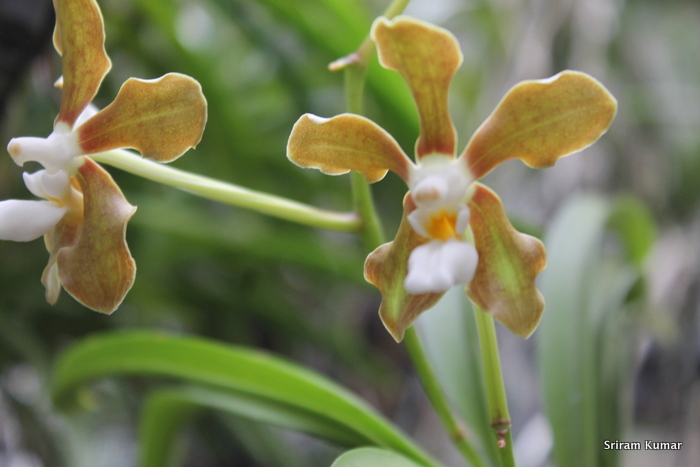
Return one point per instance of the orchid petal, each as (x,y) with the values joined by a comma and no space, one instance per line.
(346,142)
(427,57)
(541,121)
(25,220)
(98,270)
(79,37)
(160,118)
(504,283)
(387,267)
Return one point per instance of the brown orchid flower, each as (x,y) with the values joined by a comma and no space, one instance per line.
(454,229)
(84,214)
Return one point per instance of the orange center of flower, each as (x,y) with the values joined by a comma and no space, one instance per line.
(442,226)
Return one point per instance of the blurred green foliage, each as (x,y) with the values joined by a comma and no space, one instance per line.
(238,277)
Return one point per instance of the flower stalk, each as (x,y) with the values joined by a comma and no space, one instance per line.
(455,429)
(231,194)
(495,390)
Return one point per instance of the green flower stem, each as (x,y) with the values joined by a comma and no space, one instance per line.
(355,68)
(432,388)
(495,391)
(230,194)
(372,231)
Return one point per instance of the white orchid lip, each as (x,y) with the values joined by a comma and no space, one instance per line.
(437,266)
(24,220)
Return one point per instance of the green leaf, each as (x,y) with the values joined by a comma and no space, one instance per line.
(584,349)
(167,410)
(369,457)
(228,368)
(634,223)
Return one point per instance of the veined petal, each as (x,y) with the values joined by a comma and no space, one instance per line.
(504,283)
(427,57)
(98,270)
(79,37)
(541,121)
(386,268)
(26,220)
(346,142)
(160,118)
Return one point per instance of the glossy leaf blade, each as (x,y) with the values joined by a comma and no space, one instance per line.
(583,344)
(167,410)
(372,457)
(227,368)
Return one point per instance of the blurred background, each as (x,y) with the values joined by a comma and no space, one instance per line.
(239,277)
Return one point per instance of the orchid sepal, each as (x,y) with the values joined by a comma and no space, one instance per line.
(92,259)
(79,38)
(427,57)
(540,121)
(346,142)
(509,261)
(160,118)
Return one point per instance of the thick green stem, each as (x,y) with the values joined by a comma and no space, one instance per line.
(495,390)
(230,194)
(455,429)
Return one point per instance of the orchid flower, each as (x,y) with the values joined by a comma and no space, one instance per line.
(454,230)
(83,215)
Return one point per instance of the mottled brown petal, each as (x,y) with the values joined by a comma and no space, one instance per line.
(504,283)
(541,121)
(346,142)
(386,268)
(160,118)
(97,269)
(427,57)
(79,37)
